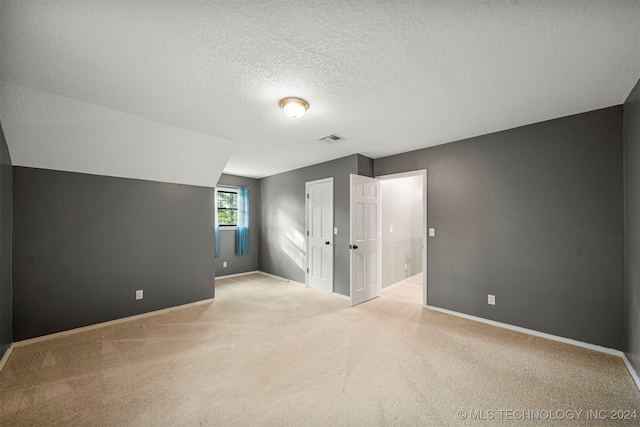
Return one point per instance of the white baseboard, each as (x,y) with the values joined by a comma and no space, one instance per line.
(273,276)
(5,357)
(593,347)
(137,316)
(302,284)
(228,276)
(632,371)
(569,341)
(401,282)
(108,323)
(344,297)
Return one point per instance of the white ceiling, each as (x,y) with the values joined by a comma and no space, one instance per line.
(390,76)
(49,131)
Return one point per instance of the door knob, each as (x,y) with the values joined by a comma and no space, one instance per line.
(353,246)
(327,243)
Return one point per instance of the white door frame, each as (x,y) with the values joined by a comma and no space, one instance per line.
(423,173)
(306,227)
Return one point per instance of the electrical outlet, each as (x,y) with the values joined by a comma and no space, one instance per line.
(406,266)
(391,229)
(491,299)
(139,294)
(224,264)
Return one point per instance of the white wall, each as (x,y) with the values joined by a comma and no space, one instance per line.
(402,209)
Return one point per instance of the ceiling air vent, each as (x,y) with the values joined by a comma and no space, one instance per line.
(330,139)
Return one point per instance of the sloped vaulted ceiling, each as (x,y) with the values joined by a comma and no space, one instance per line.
(166,89)
(54,132)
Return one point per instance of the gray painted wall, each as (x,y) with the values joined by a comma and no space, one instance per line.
(283,218)
(402,209)
(85,243)
(365,166)
(533,215)
(6,280)
(244,263)
(631,130)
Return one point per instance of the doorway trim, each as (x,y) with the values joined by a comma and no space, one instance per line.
(423,174)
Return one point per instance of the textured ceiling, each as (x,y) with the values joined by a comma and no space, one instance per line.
(390,76)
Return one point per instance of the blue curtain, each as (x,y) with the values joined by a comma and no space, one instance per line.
(242,231)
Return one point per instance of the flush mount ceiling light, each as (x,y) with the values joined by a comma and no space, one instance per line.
(294,107)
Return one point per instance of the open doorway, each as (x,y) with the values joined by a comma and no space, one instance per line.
(404,229)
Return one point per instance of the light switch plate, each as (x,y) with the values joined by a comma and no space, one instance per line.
(432,232)
(491,299)
(139,294)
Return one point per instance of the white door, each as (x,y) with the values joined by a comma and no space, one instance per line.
(320,234)
(366,253)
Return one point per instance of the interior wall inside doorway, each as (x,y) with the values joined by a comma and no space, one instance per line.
(402,228)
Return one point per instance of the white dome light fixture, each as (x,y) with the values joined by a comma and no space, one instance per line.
(294,107)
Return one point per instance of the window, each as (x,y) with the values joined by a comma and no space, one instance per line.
(227,207)
(232,213)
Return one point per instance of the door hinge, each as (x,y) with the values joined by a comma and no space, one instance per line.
(307,232)
(307,195)
(307,270)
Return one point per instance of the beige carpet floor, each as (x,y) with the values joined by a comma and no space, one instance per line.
(268,352)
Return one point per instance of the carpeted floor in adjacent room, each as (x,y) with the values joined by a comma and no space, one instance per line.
(268,352)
